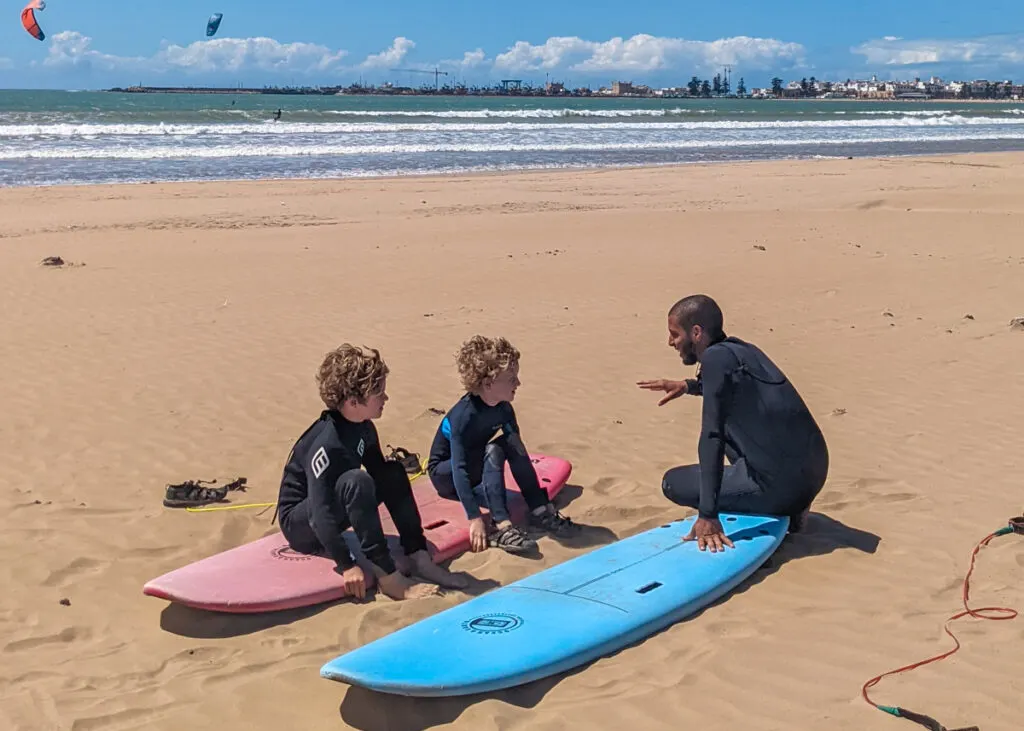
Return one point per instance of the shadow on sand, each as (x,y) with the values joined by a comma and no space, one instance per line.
(589,536)
(208,625)
(371,711)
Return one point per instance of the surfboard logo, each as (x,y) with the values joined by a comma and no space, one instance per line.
(287,553)
(493,624)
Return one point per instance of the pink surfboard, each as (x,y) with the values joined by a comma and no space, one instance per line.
(267,575)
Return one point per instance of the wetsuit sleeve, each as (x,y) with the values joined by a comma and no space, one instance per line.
(511,424)
(695,386)
(716,374)
(323,503)
(520,464)
(373,457)
(460,466)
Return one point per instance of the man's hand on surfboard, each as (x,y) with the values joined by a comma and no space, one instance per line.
(709,534)
(674,389)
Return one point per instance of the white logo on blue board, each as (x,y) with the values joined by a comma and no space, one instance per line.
(493,624)
(320,462)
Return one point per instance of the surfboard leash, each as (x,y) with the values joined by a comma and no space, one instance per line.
(1015,525)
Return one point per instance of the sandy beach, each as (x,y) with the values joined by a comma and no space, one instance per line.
(181,341)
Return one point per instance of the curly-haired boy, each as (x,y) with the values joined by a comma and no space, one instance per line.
(466,465)
(324,491)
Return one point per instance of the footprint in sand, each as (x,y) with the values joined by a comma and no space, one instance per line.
(648,516)
(865,491)
(233,532)
(79,567)
(131,718)
(66,635)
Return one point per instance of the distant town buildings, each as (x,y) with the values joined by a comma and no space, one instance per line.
(718,87)
(808,88)
(933,88)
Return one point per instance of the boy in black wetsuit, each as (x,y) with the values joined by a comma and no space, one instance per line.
(466,465)
(324,491)
(753,415)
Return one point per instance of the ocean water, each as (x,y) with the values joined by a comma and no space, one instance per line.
(57,137)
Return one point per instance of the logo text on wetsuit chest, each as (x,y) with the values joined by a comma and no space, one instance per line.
(320,462)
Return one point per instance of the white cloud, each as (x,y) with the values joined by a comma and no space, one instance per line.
(6,63)
(470,60)
(391,56)
(552,53)
(891,51)
(236,54)
(263,57)
(71,49)
(473,58)
(645,52)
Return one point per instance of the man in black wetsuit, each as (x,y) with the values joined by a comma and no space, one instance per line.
(324,491)
(753,415)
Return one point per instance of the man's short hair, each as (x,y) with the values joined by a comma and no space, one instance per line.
(698,309)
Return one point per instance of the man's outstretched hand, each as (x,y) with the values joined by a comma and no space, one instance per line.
(709,534)
(673,389)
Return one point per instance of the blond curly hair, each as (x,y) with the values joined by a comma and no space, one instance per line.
(350,372)
(481,358)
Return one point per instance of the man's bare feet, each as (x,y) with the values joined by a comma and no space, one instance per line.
(400,587)
(426,568)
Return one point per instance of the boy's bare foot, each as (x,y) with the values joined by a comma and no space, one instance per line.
(426,568)
(400,587)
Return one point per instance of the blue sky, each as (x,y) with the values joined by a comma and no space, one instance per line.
(101,43)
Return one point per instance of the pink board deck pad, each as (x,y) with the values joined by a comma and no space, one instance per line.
(266,575)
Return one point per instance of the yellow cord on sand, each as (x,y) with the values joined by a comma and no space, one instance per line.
(423,471)
(230,507)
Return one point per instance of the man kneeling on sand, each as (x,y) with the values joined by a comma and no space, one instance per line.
(753,415)
(324,491)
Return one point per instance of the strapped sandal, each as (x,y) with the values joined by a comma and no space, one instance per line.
(409,460)
(511,539)
(554,523)
(192,494)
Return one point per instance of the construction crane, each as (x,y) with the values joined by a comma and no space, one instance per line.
(435,72)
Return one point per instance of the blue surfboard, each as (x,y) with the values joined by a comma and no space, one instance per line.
(564,616)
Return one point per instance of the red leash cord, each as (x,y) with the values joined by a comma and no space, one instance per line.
(1016,525)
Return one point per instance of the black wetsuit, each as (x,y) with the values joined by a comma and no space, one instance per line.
(462,452)
(754,416)
(324,491)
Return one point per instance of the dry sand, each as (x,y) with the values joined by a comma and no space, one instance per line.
(186,348)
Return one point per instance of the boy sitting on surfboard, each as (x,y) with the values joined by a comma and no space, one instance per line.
(466,465)
(324,491)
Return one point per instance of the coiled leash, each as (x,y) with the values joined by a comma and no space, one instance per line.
(1015,525)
